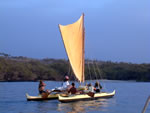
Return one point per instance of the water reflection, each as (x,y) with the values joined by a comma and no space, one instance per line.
(46,106)
(84,106)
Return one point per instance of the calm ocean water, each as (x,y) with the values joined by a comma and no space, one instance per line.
(130,98)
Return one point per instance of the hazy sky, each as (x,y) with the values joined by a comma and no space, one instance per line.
(116,30)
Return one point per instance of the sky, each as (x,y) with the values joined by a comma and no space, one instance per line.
(115,30)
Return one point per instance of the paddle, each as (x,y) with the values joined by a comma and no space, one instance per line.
(45,95)
(56,90)
(91,94)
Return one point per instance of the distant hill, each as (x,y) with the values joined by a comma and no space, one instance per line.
(28,69)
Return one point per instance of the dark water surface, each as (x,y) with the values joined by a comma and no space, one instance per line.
(130,98)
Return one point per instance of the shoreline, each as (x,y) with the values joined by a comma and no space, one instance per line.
(72,80)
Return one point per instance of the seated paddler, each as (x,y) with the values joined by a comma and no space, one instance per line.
(90,88)
(97,87)
(42,88)
(65,85)
(72,90)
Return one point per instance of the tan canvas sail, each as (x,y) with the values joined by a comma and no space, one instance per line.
(73,38)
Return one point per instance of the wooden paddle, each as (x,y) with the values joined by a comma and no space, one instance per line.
(91,94)
(56,90)
(45,95)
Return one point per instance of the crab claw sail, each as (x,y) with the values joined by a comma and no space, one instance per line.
(73,38)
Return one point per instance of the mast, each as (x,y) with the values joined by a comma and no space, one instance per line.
(83,57)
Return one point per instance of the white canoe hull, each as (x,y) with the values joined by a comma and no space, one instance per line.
(39,98)
(77,97)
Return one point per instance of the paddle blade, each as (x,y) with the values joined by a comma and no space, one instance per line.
(91,94)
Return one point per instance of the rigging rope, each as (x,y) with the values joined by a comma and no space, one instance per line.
(100,75)
(94,70)
(89,70)
(146,104)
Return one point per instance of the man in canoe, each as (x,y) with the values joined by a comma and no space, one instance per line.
(64,87)
(65,84)
(90,90)
(97,87)
(72,90)
(42,90)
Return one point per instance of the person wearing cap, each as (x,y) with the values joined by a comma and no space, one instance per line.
(65,84)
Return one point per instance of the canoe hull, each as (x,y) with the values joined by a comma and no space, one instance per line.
(40,98)
(73,98)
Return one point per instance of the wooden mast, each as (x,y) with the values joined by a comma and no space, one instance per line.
(83,76)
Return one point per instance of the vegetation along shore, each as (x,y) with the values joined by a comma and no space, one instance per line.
(28,69)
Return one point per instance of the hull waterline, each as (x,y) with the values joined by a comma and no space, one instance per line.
(40,98)
(79,97)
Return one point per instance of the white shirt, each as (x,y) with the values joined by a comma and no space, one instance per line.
(65,84)
(90,89)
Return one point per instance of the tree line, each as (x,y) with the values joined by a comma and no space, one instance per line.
(28,69)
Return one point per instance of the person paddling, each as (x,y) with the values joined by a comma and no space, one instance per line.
(90,90)
(72,90)
(42,89)
(97,87)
